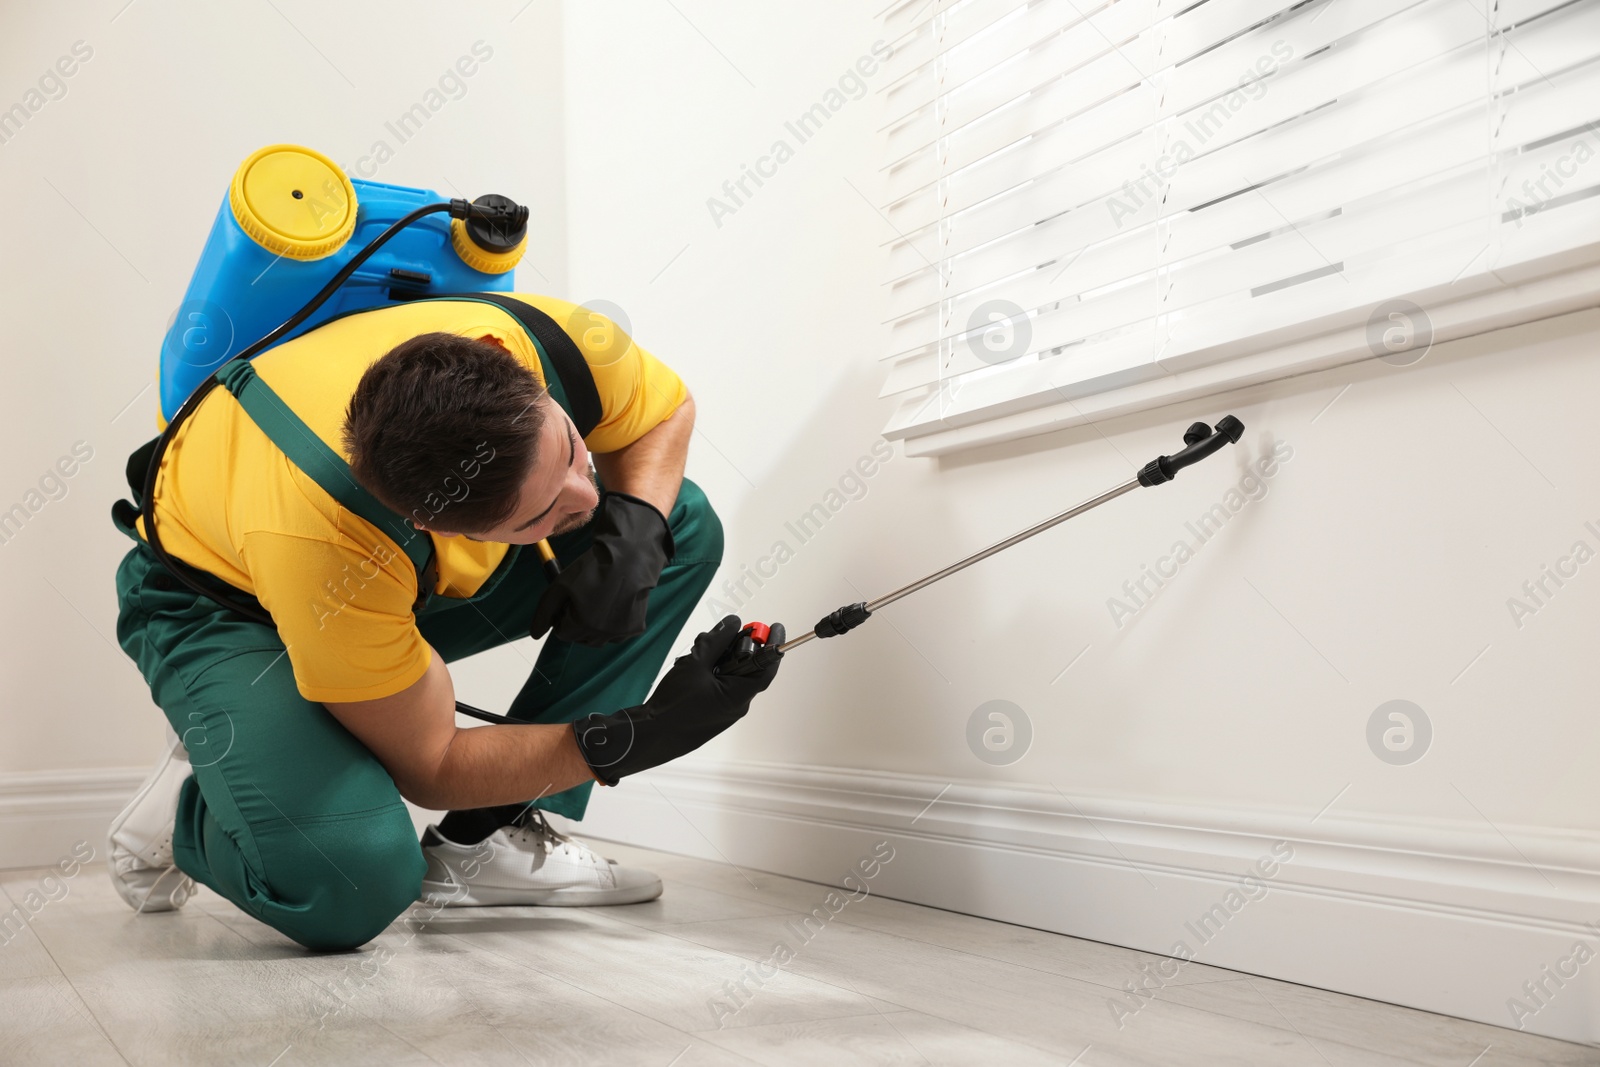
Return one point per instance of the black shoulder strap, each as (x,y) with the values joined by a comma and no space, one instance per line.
(560,350)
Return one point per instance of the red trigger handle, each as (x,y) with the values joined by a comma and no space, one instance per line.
(739,658)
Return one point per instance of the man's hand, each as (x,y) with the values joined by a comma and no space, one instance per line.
(601,596)
(692,705)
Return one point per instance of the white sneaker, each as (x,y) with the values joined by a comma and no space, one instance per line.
(529,862)
(139,843)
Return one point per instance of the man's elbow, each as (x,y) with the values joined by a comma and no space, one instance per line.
(426,782)
(423,793)
(422,786)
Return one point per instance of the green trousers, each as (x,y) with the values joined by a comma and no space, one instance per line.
(289,816)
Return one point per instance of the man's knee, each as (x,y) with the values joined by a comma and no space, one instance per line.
(372,872)
(696,529)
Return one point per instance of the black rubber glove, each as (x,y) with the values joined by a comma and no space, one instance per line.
(601,596)
(690,707)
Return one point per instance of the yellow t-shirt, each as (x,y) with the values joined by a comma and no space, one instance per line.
(229,502)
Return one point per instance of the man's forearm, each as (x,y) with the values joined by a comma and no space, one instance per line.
(651,468)
(437,764)
(493,765)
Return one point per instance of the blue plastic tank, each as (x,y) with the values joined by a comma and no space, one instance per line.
(290,221)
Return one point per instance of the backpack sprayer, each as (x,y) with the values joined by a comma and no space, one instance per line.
(282,238)
(289,236)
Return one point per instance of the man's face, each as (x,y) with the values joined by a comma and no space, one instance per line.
(558,495)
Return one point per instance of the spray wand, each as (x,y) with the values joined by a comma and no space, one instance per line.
(1199,440)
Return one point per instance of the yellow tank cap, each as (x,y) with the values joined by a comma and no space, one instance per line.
(294,202)
(481,259)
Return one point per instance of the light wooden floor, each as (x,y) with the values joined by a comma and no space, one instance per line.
(883,982)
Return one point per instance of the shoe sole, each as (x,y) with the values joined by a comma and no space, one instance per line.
(124,890)
(568,897)
(153,902)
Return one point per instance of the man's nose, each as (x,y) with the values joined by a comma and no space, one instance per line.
(590,495)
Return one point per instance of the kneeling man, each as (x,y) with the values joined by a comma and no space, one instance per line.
(369,495)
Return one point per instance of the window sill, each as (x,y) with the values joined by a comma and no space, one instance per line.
(1524,293)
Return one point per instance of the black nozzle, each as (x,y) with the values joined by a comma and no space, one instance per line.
(1201,441)
(496,223)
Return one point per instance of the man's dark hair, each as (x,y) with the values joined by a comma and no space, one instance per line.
(444,429)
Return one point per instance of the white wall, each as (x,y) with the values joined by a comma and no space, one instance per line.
(1235,705)
(112,189)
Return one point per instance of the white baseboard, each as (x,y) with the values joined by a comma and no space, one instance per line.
(1444,916)
(44,814)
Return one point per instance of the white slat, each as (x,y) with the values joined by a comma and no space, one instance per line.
(954,26)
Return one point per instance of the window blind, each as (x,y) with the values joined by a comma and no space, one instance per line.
(1085,195)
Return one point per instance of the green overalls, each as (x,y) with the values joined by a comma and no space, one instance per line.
(289,816)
